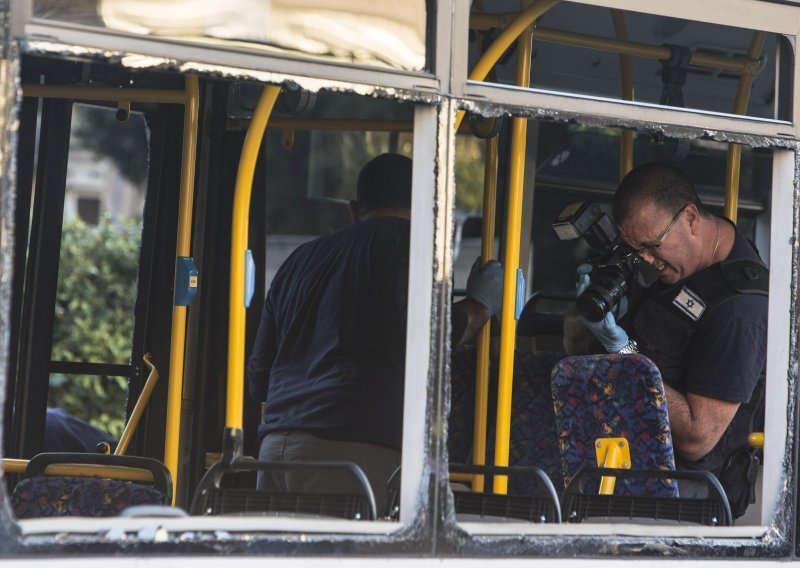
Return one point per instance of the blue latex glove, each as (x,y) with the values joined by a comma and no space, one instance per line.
(611,335)
(583,278)
(583,283)
(485,285)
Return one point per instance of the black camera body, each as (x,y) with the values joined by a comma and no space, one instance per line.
(615,269)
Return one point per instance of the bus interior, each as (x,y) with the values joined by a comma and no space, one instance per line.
(133,210)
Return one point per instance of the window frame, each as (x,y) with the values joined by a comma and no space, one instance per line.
(748,14)
(426,506)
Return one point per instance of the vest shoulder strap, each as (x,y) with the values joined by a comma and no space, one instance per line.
(717,283)
(746,276)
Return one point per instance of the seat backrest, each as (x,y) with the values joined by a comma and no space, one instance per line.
(533,433)
(36,497)
(613,396)
(212,498)
(41,494)
(538,506)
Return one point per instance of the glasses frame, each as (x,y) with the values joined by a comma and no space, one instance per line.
(664,235)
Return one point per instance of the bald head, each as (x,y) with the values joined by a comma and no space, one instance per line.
(664,186)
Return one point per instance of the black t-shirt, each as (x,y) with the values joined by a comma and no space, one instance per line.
(329,356)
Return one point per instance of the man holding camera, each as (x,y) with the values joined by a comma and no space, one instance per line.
(704,323)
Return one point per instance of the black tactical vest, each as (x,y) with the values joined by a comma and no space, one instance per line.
(663,326)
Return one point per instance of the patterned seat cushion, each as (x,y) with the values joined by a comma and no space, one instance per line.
(36,497)
(613,396)
(533,428)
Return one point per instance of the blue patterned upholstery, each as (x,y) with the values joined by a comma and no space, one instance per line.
(613,396)
(36,497)
(533,432)
(462,404)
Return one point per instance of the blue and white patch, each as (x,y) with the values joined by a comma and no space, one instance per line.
(689,303)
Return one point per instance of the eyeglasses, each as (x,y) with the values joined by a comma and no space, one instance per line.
(664,235)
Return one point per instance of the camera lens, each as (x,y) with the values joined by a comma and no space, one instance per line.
(603,294)
(591,306)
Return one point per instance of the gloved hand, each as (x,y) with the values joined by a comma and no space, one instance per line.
(583,278)
(583,282)
(608,332)
(485,285)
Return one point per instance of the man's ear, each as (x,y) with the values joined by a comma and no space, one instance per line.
(352,205)
(693,216)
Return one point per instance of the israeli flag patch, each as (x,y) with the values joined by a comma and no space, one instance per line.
(689,303)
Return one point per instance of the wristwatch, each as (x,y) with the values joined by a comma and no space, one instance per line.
(630,348)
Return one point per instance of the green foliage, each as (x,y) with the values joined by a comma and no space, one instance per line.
(124,143)
(469,174)
(94,317)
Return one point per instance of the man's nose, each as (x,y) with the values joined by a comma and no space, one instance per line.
(647,255)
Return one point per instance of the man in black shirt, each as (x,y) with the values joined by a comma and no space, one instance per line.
(329,356)
(704,324)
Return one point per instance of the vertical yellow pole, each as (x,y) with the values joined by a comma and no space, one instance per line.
(732,173)
(183,248)
(514,30)
(239,229)
(626,78)
(484,335)
(508,328)
(733,168)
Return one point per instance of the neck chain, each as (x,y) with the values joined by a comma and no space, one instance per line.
(716,241)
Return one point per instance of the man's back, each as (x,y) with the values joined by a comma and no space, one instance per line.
(331,345)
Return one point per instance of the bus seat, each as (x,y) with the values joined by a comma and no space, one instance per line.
(533,429)
(536,504)
(541,321)
(580,505)
(622,396)
(83,493)
(539,506)
(213,498)
(613,396)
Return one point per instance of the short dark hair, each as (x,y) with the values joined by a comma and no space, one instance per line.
(384,181)
(661,184)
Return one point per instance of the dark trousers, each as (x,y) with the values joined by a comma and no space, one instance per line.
(378,463)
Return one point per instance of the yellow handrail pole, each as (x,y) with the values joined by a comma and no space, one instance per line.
(182,248)
(138,409)
(104,94)
(125,473)
(15,465)
(736,64)
(239,230)
(484,334)
(614,453)
(508,326)
(732,64)
(607,483)
(626,78)
(514,30)
(733,167)
(122,472)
